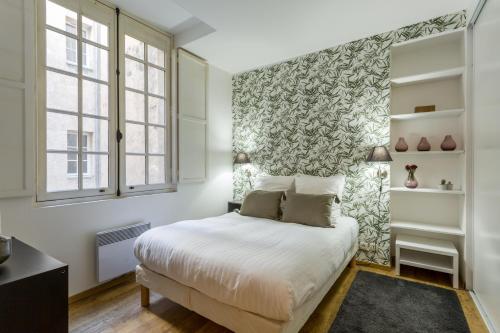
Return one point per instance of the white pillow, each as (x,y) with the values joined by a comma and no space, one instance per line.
(273,183)
(320,185)
(323,185)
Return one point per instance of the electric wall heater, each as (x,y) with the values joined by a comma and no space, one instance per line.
(115,250)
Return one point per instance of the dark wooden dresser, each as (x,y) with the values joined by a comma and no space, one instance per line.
(33,292)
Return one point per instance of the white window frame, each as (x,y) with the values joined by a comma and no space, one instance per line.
(150,36)
(105,15)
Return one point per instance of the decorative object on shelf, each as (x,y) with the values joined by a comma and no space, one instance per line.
(449,186)
(424,145)
(448,143)
(5,248)
(401,145)
(411,181)
(443,186)
(425,108)
(379,154)
(243,158)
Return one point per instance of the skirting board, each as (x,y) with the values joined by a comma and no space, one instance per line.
(102,287)
(483,313)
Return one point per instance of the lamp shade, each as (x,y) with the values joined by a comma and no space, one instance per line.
(379,154)
(241,158)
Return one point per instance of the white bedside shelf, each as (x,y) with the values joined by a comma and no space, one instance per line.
(427,190)
(428,115)
(427,153)
(425,227)
(428,253)
(428,77)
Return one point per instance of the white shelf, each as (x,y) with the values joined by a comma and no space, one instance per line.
(428,77)
(427,261)
(430,40)
(426,153)
(428,115)
(427,190)
(431,228)
(424,244)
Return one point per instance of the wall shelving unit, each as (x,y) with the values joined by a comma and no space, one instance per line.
(426,71)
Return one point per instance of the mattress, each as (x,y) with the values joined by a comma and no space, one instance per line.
(266,267)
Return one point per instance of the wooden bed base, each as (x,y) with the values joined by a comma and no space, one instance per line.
(144,296)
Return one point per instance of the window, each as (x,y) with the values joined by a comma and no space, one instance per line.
(77,150)
(76,146)
(71,49)
(72,167)
(144,116)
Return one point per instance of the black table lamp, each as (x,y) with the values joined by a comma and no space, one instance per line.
(243,158)
(379,154)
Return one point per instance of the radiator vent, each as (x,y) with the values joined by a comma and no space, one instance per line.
(120,234)
(115,250)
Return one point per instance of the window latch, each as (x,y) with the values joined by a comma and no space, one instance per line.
(119,136)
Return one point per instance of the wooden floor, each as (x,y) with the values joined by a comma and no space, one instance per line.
(118,309)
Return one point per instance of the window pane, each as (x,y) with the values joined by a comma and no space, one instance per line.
(134,74)
(135,170)
(62,129)
(135,138)
(134,106)
(95,62)
(57,42)
(156,56)
(58,178)
(94,31)
(62,92)
(156,142)
(95,98)
(96,173)
(156,81)
(96,134)
(156,110)
(156,169)
(57,16)
(134,47)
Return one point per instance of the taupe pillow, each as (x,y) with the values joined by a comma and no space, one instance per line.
(310,209)
(264,204)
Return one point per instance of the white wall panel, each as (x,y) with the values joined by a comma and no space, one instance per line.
(16,95)
(192,101)
(486,119)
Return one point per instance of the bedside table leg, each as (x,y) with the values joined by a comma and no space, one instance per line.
(144,296)
(398,251)
(455,272)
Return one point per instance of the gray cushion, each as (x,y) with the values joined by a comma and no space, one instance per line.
(310,209)
(264,204)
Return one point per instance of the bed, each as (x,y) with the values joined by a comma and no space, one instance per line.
(245,273)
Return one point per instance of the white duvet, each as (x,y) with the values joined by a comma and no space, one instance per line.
(258,265)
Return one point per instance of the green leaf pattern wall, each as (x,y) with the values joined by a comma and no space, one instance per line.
(319,114)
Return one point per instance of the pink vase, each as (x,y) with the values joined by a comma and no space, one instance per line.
(411,181)
(424,145)
(448,143)
(401,145)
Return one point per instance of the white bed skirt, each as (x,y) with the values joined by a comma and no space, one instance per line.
(235,319)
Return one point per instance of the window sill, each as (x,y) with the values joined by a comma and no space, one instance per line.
(95,199)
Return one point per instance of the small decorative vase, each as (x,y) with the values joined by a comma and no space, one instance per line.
(411,181)
(424,145)
(448,143)
(401,145)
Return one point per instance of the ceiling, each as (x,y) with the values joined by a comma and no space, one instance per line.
(243,34)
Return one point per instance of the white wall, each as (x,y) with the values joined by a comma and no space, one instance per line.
(68,232)
(486,117)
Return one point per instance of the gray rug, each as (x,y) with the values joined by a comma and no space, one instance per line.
(377,303)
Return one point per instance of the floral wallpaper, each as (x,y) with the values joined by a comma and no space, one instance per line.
(319,114)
